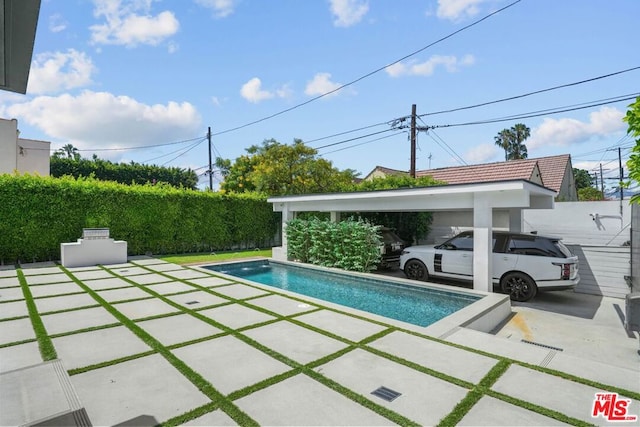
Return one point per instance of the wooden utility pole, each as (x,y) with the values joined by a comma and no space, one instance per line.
(621,173)
(210,171)
(412,169)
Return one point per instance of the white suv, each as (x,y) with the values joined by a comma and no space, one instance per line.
(523,264)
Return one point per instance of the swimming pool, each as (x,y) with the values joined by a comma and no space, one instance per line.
(413,304)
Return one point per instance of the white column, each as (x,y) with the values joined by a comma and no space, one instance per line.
(280,253)
(482,243)
(335,216)
(515,220)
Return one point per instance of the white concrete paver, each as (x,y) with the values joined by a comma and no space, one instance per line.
(443,358)
(144,308)
(341,324)
(9,281)
(208,282)
(236,316)
(197,299)
(176,329)
(215,418)
(89,348)
(164,267)
(239,291)
(230,364)
(78,319)
(92,274)
(170,287)
(13,309)
(282,305)
(11,294)
(301,401)
(123,294)
(568,397)
(6,271)
(493,412)
(47,304)
(129,271)
(149,278)
(44,270)
(186,274)
(47,278)
(16,330)
(54,289)
(107,283)
(147,261)
(149,385)
(295,342)
(354,371)
(19,356)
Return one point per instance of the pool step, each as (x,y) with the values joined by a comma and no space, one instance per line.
(40,395)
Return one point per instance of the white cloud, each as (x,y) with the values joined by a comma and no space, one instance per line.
(129,23)
(348,12)
(57,23)
(458,9)
(101,119)
(482,153)
(221,8)
(321,84)
(252,91)
(563,132)
(428,67)
(52,72)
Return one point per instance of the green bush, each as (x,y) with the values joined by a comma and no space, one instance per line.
(40,213)
(350,245)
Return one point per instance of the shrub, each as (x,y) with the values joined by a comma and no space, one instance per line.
(40,213)
(350,245)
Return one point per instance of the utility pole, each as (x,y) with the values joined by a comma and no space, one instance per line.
(601,181)
(210,171)
(412,169)
(621,173)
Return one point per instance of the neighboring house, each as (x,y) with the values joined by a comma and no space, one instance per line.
(554,172)
(22,155)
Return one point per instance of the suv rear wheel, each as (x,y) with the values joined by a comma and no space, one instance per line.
(519,286)
(416,270)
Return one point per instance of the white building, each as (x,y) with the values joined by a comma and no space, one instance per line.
(22,155)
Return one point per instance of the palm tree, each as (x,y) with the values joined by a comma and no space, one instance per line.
(512,141)
(503,140)
(69,151)
(518,150)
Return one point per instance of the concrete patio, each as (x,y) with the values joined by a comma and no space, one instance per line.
(150,342)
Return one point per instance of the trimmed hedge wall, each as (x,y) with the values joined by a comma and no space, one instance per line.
(350,245)
(37,214)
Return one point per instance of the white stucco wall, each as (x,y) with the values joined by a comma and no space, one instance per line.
(8,148)
(33,157)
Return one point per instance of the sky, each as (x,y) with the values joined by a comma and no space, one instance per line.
(143,80)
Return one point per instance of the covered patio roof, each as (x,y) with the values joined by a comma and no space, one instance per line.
(481,198)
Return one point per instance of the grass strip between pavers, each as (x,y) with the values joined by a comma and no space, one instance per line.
(462,408)
(474,395)
(195,378)
(380,410)
(47,349)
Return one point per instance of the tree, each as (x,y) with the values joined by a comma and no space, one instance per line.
(512,141)
(278,169)
(590,194)
(503,140)
(67,151)
(582,178)
(633,164)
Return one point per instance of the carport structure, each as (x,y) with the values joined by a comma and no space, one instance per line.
(483,199)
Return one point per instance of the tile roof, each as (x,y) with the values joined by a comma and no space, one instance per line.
(488,172)
(552,169)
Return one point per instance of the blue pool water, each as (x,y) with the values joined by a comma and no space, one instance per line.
(411,304)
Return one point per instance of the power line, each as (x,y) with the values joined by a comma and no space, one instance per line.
(355,139)
(511,98)
(357,145)
(141,146)
(185,151)
(369,74)
(538,113)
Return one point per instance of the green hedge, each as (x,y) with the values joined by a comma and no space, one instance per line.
(349,245)
(37,214)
